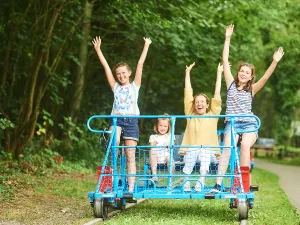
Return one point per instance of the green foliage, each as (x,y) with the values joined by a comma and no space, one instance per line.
(72,131)
(6,191)
(86,152)
(5,123)
(79,145)
(37,160)
(182,32)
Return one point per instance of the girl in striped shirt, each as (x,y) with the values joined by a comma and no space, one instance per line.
(240,92)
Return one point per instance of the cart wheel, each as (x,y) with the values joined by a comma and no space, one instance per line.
(243,210)
(100,209)
(121,203)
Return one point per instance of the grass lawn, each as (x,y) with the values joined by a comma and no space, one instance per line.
(292,161)
(289,157)
(62,199)
(271,206)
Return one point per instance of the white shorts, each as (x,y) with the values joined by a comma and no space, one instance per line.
(194,155)
(162,154)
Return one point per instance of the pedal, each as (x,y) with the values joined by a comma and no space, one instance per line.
(132,200)
(254,188)
(210,196)
(127,195)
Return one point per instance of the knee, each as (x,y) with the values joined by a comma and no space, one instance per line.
(130,155)
(245,146)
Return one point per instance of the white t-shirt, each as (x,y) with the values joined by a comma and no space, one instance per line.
(161,140)
(125,99)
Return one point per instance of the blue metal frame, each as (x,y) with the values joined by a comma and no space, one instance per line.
(166,192)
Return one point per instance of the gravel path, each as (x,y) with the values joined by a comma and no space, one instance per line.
(289,179)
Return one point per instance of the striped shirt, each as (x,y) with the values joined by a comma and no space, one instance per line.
(125,100)
(239,102)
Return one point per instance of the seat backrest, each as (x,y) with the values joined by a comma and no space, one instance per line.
(178,141)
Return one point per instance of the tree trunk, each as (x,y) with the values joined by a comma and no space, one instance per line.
(8,48)
(12,36)
(83,55)
(29,109)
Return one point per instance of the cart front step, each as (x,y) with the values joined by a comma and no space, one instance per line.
(254,188)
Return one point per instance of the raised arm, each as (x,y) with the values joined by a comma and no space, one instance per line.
(187,76)
(139,68)
(262,81)
(218,81)
(110,77)
(227,73)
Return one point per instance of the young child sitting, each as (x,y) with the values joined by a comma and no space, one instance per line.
(161,138)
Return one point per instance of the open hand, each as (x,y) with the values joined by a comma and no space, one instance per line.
(188,68)
(97,42)
(278,54)
(220,68)
(229,30)
(147,41)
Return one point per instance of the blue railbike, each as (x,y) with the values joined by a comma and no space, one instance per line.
(112,186)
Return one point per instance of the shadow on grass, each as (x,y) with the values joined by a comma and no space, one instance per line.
(207,210)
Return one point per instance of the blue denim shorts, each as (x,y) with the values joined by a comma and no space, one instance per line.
(242,126)
(129,127)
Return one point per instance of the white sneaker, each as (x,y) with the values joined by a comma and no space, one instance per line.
(187,187)
(155,179)
(198,187)
(216,189)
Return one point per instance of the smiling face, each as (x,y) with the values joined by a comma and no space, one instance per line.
(123,74)
(201,104)
(163,126)
(245,74)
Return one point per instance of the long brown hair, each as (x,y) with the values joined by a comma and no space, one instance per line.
(193,104)
(248,86)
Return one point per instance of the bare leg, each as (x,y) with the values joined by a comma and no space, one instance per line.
(153,161)
(119,130)
(205,161)
(168,163)
(248,140)
(173,166)
(131,165)
(224,158)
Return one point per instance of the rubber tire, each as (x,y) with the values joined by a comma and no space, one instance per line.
(100,209)
(120,206)
(242,209)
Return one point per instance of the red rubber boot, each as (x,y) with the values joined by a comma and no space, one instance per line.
(246,178)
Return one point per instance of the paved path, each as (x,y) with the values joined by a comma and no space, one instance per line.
(289,179)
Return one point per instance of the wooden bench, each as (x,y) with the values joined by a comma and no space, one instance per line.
(269,150)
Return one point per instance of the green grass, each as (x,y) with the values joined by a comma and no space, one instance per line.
(45,197)
(73,187)
(295,161)
(271,206)
(288,148)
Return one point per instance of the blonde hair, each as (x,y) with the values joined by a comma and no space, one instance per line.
(193,104)
(155,127)
(248,86)
(120,65)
